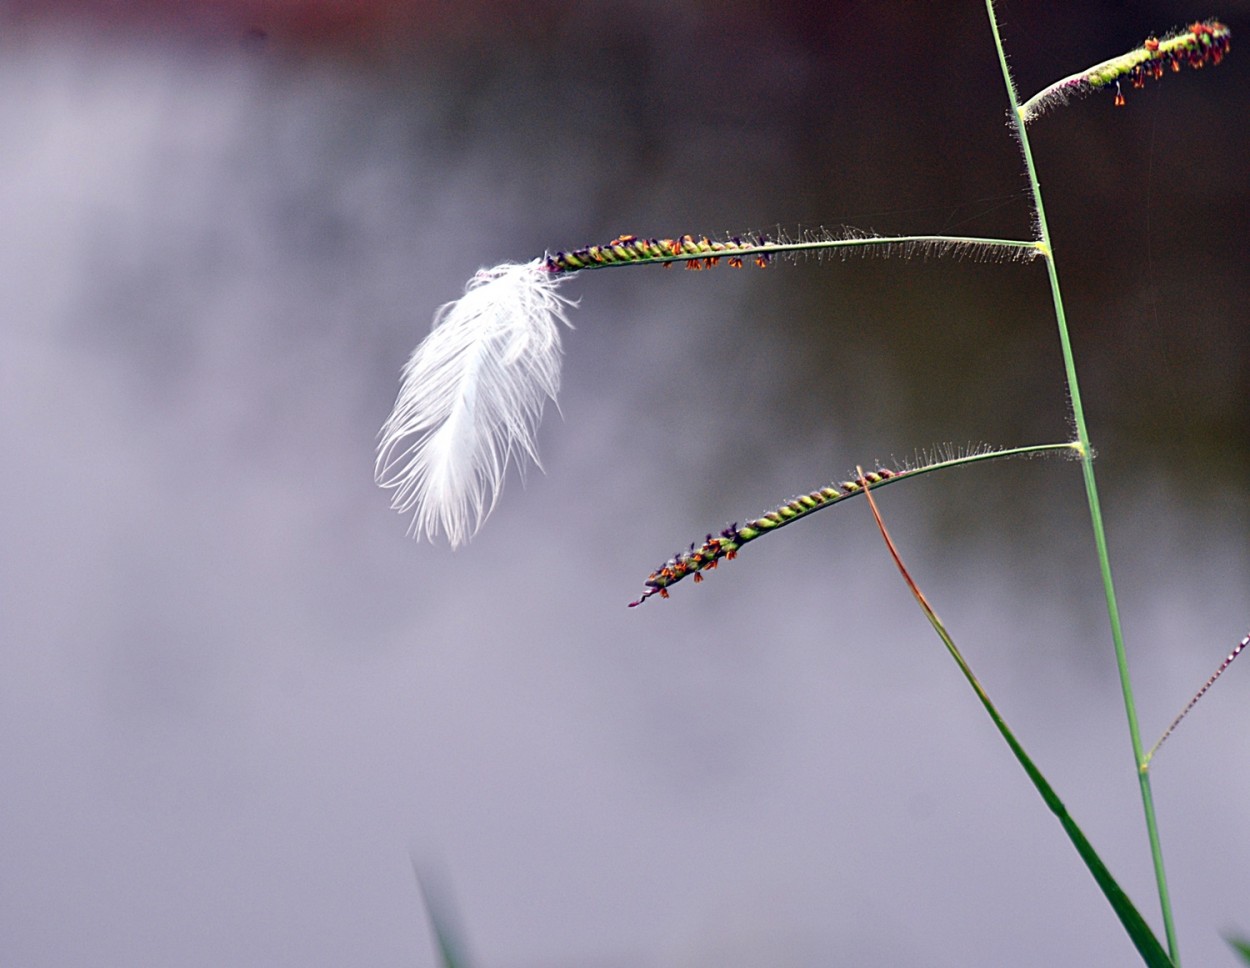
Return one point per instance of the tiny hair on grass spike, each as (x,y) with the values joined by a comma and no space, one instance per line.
(471,399)
(1197,45)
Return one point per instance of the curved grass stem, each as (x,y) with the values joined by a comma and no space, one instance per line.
(1091,491)
(730,541)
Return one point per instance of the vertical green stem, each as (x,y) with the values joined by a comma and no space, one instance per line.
(1091,492)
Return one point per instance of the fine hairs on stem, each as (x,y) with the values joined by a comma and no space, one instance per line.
(474,391)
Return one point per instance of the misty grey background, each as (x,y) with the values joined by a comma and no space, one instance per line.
(234,696)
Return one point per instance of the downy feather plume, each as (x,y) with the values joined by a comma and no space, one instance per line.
(471,398)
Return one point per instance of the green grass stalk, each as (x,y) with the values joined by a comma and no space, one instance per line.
(1091,492)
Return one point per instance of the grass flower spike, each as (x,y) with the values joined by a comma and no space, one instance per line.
(1197,45)
(471,399)
(726,545)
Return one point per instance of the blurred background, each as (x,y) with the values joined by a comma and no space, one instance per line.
(235,697)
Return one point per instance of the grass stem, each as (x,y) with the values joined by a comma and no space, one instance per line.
(1091,491)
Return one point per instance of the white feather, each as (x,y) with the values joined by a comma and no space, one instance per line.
(471,399)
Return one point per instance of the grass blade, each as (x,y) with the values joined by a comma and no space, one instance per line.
(1241,947)
(1147,944)
(452,952)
